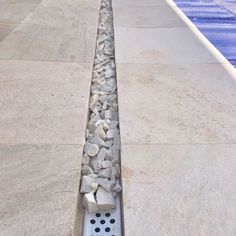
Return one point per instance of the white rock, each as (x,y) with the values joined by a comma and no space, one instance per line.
(86,170)
(117,166)
(112,97)
(101,38)
(116,140)
(109,73)
(88,184)
(107,144)
(115,161)
(96,165)
(105,200)
(102,154)
(117,188)
(108,155)
(85,159)
(93,100)
(100,132)
(106,164)
(93,176)
(111,82)
(90,203)
(108,114)
(113,124)
(106,184)
(96,140)
(91,149)
(91,127)
(111,133)
(105,173)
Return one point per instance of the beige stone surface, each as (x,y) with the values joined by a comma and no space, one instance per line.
(179,189)
(177,119)
(14,11)
(143,3)
(161,103)
(160,45)
(39,187)
(151,16)
(52,31)
(43,102)
(46,57)
(49,43)
(63,12)
(5,29)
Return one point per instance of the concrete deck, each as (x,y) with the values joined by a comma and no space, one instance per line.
(46,58)
(177,118)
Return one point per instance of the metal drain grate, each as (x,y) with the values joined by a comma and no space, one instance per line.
(103,223)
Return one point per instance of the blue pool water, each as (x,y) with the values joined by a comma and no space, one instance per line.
(216,19)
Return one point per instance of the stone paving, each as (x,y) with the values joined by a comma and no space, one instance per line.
(46,58)
(177,123)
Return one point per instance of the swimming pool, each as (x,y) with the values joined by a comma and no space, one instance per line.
(216,19)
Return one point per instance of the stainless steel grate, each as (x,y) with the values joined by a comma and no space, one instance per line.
(103,223)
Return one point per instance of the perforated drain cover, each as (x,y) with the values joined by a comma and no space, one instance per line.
(103,223)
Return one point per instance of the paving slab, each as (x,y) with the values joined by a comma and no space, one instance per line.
(125,3)
(43,102)
(160,45)
(163,103)
(6,29)
(49,43)
(39,187)
(53,31)
(179,189)
(62,12)
(146,16)
(46,57)
(14,11)
(177,119)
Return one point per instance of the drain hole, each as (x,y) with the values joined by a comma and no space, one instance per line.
(92,222)
(112,221)
(102,222)
(98,214)
(107,229)
(98,230)
(107,214)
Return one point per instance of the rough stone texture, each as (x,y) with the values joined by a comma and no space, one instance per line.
(43,102)
(43,113)
(146,16)
(181,104)
(50,30)
(177,120)
(39,188)
(186,189)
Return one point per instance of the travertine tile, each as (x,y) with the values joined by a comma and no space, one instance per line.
(43,102)
(160,45)
(176,104)
(179,190)
(39,188)
(45,42)
(152,16)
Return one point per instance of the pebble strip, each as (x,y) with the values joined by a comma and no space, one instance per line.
(101,157)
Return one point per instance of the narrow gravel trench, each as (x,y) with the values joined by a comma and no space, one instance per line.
(101,158)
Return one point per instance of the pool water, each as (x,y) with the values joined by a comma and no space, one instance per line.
(216,19)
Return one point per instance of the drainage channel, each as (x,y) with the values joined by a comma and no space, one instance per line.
(100,182)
